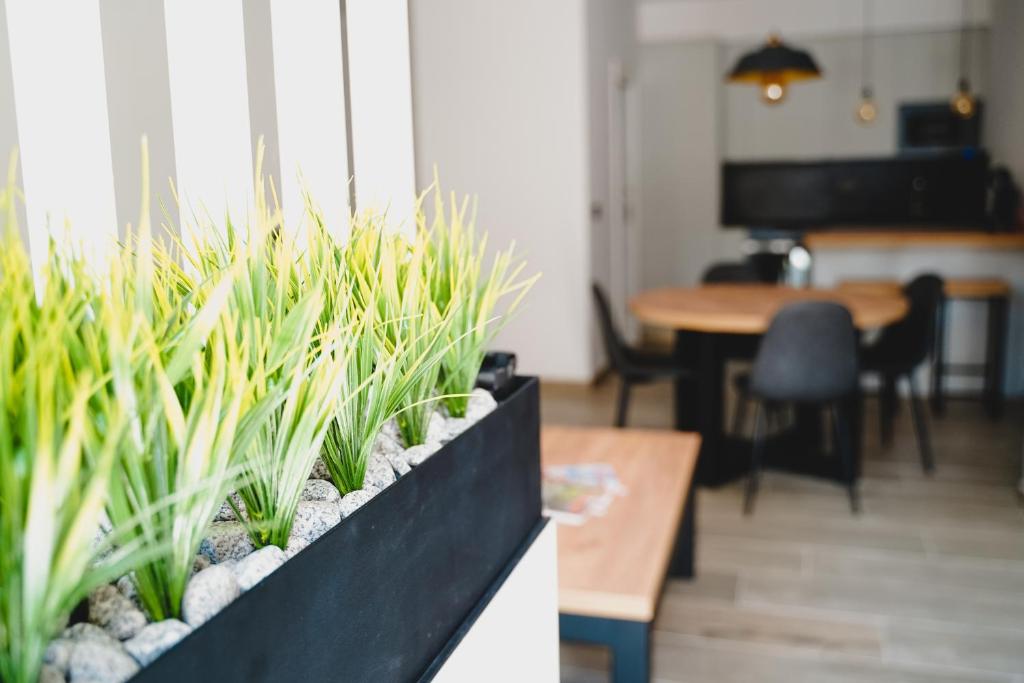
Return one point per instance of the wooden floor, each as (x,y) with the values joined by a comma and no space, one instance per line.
(927,584)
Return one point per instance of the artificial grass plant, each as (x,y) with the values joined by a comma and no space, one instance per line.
(51,495)
(382,365)
(459,283)
(276,308)
(172,364)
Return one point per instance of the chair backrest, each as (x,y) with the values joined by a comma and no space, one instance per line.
(724,271)
(808,354)
(613,343)
(910,340)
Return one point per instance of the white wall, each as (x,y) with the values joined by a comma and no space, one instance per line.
(1005,116)
(515,638)
(8,119)
(63,129)
(680,155)
(817,118)
(209,105)
(311,118)
(139,103)
(380,89)
(500,105)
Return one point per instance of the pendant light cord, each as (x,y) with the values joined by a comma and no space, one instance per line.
(865,56)
(964,43)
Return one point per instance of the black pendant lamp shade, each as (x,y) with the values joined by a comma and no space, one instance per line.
(773,67)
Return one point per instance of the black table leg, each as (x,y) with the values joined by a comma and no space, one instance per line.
(995,355)
(939,360)
(629,642)
(686,401)
(682,563)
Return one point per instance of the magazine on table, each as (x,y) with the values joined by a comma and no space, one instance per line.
(574,493)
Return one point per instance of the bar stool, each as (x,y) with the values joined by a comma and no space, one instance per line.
(995,293)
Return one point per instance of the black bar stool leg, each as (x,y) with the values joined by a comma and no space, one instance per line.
(921,428)
(844,446)
(753,479)
(739,417)
(887,399)
(623,408)
(939,361)
(995,355)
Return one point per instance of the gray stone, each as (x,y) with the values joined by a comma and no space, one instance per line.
(391,430)
(355,500)
(48,674)
(200,563)
(115,613)
(314,518)
(58,654)
(379,473)
(318,489)
(319,470)
(127,587)
(156,639)
(417,454)
(385,444)
(437,429)
(96,662)
(295,546)
(392,451)
(399,464)
(226,541)
(480,404)
(226,513)
(454,426)
(258,566)
(86,631)
(207,593)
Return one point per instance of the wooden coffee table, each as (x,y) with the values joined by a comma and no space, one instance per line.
(611,570)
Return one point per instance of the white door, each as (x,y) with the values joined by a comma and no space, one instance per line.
(623,251)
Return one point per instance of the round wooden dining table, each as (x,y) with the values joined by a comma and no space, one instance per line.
(718,322)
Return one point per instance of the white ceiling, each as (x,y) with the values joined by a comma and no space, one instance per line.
(672,20)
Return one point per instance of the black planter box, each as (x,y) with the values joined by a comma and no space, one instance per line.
(378,597)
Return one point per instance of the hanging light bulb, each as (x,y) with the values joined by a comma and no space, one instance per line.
(866,110)
(773,89)
(963,104)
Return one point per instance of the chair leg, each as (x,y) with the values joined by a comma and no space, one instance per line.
(844,445)
(887,401)
(755,460)
(920,428)
(623,408)
(739,418)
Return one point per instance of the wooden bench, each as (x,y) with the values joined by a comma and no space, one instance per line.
(611,569)
(993,291)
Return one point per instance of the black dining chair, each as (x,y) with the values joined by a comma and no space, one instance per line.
(808,356)
(900,350)
(738,272)
(633,366)
(731,271)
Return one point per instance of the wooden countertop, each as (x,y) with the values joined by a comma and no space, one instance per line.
(614,566)
(955,288)
(749,308)
(879,239)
